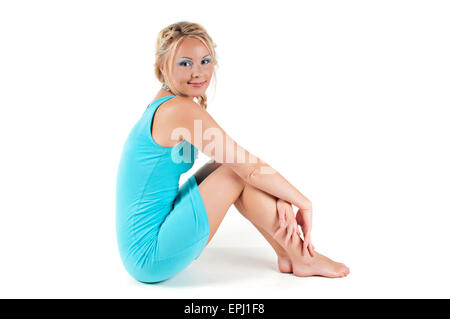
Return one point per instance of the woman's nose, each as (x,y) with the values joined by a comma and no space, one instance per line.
(196,71)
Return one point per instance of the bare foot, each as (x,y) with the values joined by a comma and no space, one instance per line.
(319,265)
(305,266)
(284,264)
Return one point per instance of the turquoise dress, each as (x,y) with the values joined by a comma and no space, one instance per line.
(161,227)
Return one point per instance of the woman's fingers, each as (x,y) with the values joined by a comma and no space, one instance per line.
(289,222)
(278,231)
(280,214)
(311,250)
(282,218)
(289,234)
(299,219)
(310,246)
(294,225)
(307,245)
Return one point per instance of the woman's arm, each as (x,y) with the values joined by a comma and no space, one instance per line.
(271,181)
(187,119)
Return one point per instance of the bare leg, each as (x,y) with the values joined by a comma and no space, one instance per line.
(260,208)
(219,188)
(222,187)
(284,262)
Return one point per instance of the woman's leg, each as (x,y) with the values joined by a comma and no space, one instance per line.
(219,187)
(284,263)
(260,209)
(222,187)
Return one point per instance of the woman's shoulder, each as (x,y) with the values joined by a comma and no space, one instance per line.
(179,105)
(169,115)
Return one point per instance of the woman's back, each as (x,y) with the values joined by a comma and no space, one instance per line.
(147,186)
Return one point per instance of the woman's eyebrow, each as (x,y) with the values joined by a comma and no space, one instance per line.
(191,58)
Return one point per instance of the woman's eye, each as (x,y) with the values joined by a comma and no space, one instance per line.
(184,63)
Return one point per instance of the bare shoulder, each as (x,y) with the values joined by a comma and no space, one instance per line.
(172,114)
(177,105)
(186,119)
(181,104)
(181,110)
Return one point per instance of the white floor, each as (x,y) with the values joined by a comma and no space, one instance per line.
(237,264)
(233,272)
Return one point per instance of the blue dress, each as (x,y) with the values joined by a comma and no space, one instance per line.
(161,227)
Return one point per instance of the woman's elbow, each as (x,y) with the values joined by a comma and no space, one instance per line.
(244,170)
(250,172)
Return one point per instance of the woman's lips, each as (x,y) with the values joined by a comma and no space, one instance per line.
(197,85)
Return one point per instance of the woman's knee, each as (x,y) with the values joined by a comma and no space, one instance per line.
(232,174)
(223,169)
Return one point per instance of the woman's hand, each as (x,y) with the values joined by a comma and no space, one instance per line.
(287,220)
(304,219)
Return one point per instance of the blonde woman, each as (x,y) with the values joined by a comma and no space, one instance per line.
(162,228)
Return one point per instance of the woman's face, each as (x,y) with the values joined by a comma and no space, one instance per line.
(192,64)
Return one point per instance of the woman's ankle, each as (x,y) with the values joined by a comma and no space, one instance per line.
(294,249)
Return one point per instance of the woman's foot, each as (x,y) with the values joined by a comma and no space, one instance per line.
(319,265)
(305,266)
(284,264)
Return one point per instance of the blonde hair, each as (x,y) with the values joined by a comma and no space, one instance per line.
(168,41)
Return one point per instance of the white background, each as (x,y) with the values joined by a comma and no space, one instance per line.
(349,100)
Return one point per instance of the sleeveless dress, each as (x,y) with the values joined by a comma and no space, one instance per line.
(161,227)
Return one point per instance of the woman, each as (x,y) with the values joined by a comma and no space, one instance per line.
(162,228)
